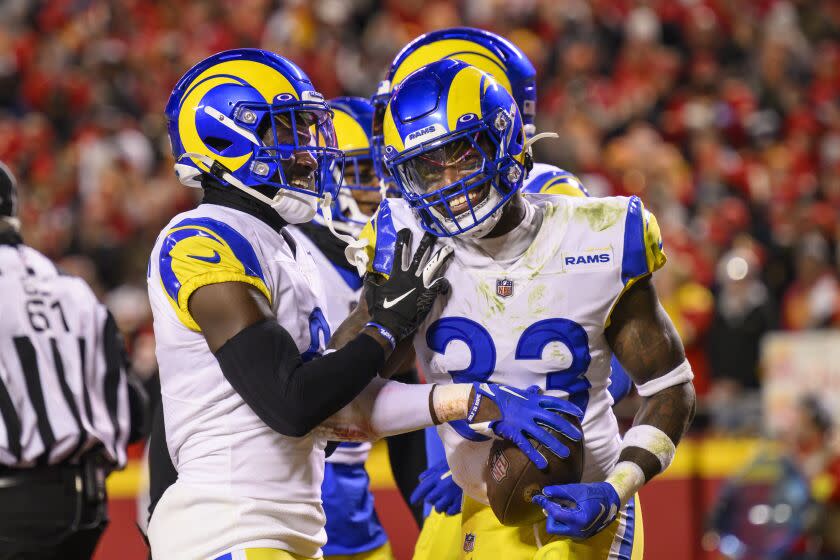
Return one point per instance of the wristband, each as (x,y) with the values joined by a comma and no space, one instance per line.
(651,439)
(386,334)
(677,376)
(627,478)
(474,406)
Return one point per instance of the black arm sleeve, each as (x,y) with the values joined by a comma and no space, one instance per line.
(263,365)
(407,453)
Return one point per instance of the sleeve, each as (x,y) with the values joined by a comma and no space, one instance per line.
(559,182)
(263,364)
(115,388)
(643,253)
(197,252)
(384,408)
(381,235)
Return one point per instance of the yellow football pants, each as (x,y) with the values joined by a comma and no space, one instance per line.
(476,534)
(381,553)
(440,538)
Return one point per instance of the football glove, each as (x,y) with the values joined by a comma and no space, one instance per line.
(526,414)
(400,303)
(578,510)
(437,489)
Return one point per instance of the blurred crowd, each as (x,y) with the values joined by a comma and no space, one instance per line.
(723,115)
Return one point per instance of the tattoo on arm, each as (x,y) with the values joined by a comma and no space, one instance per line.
(647,344)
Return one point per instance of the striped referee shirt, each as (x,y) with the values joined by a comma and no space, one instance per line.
(63,385)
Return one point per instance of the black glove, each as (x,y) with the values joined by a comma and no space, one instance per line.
(400,303)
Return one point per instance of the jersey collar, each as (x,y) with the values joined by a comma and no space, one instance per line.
(232,198)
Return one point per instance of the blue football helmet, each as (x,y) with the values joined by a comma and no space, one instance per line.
(486,51)
(360,191)
(251,119)
(455,145)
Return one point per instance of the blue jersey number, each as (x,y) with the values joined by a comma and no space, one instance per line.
(534,340)
(531,344)
(318,328)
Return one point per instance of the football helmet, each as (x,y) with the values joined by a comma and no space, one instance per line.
(549,179)
(360,191)
(486,51)
(251,119)
(455,145)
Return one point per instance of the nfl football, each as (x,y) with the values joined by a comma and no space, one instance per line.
(512,479)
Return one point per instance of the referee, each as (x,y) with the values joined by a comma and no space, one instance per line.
(67,406)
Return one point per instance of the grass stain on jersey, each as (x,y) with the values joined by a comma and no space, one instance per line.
(600,215)
(494,303)
(535,297)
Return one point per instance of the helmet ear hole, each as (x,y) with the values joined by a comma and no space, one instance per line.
(218,144)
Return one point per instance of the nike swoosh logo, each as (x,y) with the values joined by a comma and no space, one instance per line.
(514,393)
(603,509)
(389,304)
(213,259)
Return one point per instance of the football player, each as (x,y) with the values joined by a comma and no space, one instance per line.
(510,66)
(353,528)
(497,56)
(546,289)
(249,401)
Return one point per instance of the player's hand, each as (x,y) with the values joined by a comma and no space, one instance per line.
(578,510)
(400,303)
(526,414)
(437,489)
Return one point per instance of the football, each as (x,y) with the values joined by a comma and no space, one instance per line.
(512,479)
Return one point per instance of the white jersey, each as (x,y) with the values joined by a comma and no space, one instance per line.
(240,483)
(537,318)
(342,289)
(62,378)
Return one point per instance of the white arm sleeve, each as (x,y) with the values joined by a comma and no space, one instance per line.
(384,408)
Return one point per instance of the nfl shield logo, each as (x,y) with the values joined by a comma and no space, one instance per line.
(469,542)
(499,466)
(504,288)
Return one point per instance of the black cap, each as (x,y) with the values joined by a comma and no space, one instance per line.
(8,193)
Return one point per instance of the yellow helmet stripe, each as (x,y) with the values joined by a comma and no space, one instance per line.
(266,80)
(464,95)
(189,133)
(349,133)
(456,49)
(391,135)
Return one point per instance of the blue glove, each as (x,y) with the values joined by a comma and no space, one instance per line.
(526,413)
(578,510)
(439,490)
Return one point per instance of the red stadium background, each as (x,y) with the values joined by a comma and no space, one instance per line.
(723,115)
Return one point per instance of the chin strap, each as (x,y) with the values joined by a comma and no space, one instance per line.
(354,252)
(542,135)
(280,203)
(218,170)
